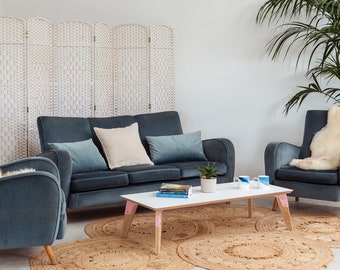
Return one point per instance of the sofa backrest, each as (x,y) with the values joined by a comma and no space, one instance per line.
(315,120)
(158,124)
(54,129)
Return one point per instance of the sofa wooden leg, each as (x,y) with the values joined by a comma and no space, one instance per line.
(50,254)
(297,199)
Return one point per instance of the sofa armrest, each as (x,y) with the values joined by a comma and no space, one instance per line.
(221,150)
(30,207)
(62,160)
(278,154)
(36,163)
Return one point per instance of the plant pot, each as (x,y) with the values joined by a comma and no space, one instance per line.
(208,185)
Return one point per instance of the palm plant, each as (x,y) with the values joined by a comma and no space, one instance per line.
(318,35)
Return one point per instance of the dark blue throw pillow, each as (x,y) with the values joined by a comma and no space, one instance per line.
(84,154)
(175,148)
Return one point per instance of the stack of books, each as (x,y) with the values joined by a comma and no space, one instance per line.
(174,191)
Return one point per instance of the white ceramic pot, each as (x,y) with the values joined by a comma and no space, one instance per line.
(208,185)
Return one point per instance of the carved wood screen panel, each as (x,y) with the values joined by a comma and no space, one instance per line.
(78,69)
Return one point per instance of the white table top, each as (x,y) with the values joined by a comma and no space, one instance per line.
(224,192)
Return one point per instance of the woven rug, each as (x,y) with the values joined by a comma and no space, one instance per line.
(315,225)
(106,253)
(219,236)
(182,224)
(255,251)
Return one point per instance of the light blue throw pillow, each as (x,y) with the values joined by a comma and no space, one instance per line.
(176,148)
(84,154)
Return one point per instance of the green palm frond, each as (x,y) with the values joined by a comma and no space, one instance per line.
(316,38)
(329,70)
(274,10)
(314,87)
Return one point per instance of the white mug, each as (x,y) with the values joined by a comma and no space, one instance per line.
(242,182)
(262,181)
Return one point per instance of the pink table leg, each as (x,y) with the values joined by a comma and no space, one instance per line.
(282,201)
(130,210)
(158,231)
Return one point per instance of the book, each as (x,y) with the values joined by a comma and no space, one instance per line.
(172,195)
(167,187)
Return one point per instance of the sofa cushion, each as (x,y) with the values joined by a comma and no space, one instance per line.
(109,122)
(175,148)
(150,173)
(85,155)
(190,168)
(290,173)
(122,146)
(98,180)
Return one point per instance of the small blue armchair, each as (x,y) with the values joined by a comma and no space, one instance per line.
(32,205)
(313,184)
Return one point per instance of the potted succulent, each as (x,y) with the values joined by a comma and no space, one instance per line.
(208,175)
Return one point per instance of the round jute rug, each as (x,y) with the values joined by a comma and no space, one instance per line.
(317,226)
(226,217)
(107,253)
(182,224)
(255,251)
(174,228)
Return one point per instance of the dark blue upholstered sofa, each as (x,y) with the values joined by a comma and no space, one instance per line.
(104,187)
(312,184)
(32,205)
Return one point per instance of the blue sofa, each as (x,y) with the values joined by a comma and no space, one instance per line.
(91,186)
(32,205)
(312,184)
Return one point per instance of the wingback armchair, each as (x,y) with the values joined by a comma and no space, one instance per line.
(313,184)
(32,205)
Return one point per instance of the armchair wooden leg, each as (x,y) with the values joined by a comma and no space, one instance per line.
(50,254)
(297,199)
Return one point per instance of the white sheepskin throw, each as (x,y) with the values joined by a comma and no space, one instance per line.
(325,146)
(6,174)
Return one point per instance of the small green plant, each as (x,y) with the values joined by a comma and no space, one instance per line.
(209,171)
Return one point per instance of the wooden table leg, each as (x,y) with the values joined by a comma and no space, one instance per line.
(282,201)
(274,205)
(250,208)
(130,210)
(158,231)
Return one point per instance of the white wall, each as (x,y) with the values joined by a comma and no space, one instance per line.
(225,84)
(1,8)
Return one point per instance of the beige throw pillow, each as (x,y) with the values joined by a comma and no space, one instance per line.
(122,146)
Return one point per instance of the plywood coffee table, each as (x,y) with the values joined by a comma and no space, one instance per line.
(224,193)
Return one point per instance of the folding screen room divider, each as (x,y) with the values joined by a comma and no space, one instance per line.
(78,69)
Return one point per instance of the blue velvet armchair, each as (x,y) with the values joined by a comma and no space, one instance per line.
(32,205)
(313,184)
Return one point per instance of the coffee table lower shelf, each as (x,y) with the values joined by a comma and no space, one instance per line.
(225,193)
